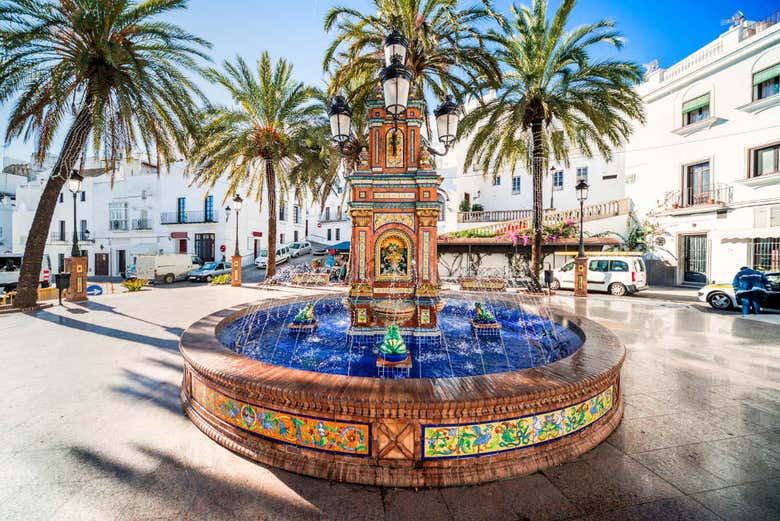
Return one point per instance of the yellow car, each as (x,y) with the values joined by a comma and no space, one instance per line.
(721,296)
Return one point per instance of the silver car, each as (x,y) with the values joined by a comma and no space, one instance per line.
(210,270)
(299,248)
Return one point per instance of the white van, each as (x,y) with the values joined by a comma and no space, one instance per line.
(618,275)
(282,255)
(167,267)
(11,265)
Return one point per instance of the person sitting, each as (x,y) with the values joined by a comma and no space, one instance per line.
(750,289)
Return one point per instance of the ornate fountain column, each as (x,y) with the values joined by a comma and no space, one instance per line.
(394,211)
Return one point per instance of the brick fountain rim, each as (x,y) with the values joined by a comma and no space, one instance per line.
(403,405)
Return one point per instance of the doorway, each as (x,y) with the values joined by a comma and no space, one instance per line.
(695,259)
(256,247)
(121,261)
(182,245)
(101,264)
(204,246)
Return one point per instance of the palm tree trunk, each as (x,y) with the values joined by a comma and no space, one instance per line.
(270,184)
(75,140)
(537,168)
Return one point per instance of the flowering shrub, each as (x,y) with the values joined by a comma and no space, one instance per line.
(220,280)
(133,285)
(561,230)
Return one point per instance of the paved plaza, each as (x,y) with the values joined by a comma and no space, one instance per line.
(93,428)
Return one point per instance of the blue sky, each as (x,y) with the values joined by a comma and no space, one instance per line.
(663,29)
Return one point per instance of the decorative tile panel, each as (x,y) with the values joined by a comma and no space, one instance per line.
(395,195)
(362,255)
(426,257)
(343,438)
(477,439)
(381,219)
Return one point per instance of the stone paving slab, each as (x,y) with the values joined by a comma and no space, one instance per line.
(92,425)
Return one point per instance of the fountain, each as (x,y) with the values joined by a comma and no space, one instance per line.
(398,383)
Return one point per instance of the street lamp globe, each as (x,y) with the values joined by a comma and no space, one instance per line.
(237,202)
(395,45)
(340,115)
(227,213)
(582,190)
(74,182)
(447,120)
(396,82)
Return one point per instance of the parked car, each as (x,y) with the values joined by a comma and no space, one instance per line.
(167,268)
(618,275)
(210,270)
(721,296)
(282,255)
(11,265)
(300,248)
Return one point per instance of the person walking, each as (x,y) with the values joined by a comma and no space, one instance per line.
(750,289)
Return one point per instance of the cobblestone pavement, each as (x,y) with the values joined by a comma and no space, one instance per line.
(92,427)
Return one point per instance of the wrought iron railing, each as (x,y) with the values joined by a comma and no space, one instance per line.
(761,25)
(716,194)
(117,225)
(142,224)
(188,217)
(59,236)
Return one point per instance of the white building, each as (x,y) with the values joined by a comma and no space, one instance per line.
(705,166)
(333,225)
(139,211)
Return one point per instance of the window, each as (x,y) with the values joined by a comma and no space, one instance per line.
(296,215)
(516,185)
(83,196)
(327,213)
(766,83)
(62,197)
(83,230)
(766,161)
(181,214)
(330,236)
(582,174)
(117,216)
(497,180)
(204,246)
(599,265)
(338,234)
(208,209)
(295,236)
(282,211)
(766,254)
(698,189)
(442,205)
(558,180)
(62,231)
(60,262)
(618,265)
(695,110)
(281,238)
(568,267)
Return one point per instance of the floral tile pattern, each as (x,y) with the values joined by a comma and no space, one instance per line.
(450,441)
(294,429)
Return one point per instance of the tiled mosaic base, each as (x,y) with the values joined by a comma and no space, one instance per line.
(304,431)
(458,441)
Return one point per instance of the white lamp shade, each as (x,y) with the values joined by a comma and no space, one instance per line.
(340,127)
(237,202)
(74,182)
(396,81)
(447,115)
(395,45)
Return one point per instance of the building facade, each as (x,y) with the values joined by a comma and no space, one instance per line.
(705,167)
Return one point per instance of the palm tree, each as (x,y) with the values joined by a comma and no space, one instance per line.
(112,70)
(553,94)
(264,134)
(446,48)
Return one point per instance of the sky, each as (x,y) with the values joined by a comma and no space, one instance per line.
(666,30)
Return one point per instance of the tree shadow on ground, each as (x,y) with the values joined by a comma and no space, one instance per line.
(144,388)
(168,345)
(97,306)
(176,489)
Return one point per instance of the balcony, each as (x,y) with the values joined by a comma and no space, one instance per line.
(142,224)
(117,225)
(59,237)
(493,216)
(692,200)
(190,217)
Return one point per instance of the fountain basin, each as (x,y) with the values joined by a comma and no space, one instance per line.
(414,432)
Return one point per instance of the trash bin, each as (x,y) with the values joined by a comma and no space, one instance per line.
(62,280)
(548,277)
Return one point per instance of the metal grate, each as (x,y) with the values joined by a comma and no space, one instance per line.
(766,254)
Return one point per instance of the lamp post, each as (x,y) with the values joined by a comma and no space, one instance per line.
(74,185)
(396,81)
(76,265)
(235,277)
(581,262)
(552,187)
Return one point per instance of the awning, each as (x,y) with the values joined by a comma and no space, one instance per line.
(749,233)
(342,246)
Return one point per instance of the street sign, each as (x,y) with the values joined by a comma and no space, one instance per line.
(93,290)
(222,248)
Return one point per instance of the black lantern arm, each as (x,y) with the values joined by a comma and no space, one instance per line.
(350,147)
(437,152)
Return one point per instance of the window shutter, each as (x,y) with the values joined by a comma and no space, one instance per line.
(774,216)
(766,74)
(696,103)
